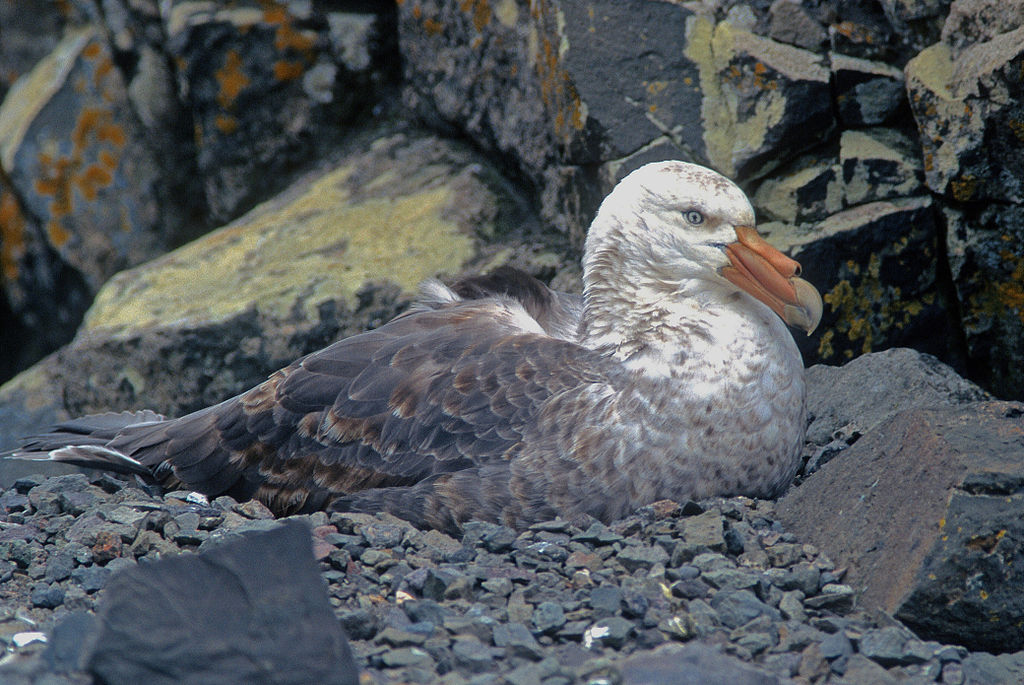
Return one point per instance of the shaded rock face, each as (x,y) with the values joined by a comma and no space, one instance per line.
(924,506)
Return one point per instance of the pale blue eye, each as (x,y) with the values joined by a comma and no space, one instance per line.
(693,217)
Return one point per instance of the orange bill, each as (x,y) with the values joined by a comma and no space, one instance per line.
(770,276)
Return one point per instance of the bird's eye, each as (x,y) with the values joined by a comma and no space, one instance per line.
(693,217)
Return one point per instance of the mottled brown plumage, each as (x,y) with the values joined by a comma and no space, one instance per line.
(499,399)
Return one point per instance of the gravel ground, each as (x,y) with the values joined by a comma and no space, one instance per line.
(555,604)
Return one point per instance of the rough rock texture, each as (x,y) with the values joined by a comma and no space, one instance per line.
(553,604)
(949,481)
(155,332)
(260,595)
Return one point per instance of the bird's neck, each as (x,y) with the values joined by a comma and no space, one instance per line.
(661,325)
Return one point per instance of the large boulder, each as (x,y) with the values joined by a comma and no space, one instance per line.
(340,252)
(923,510)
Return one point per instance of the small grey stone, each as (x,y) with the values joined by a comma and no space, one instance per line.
(737,607)
(517,641)
(792,606)
(92,578)
(385,535)
(501,587)
(836,645)
(548,617)
(60,565)
(605,600)
(611,632)
(642,556)
(406,656)
(396,637)
(46,596)
(885,646)
(731,578)
(472,655)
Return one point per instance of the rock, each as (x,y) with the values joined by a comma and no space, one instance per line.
(968,108)
(147,322)
(265,87)
(78,199)
(642,556)
(737,607)
(988,281)
(950,572)
(256,595)
(867,93)
(977,21)
(873,388)
(887,297)
(693,664)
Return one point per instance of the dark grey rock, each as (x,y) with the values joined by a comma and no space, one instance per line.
(605,600)
(737,607)
(517,641)
(548,617)
(47,596)
(635,557)
(963,521)
(693,664)
(874,387)
(263,591)
(610,632)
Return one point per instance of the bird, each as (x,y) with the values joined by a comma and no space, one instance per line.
(672,376)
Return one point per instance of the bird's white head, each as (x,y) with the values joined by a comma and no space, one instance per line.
(674,223)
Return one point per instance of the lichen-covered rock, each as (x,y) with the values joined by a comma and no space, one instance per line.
(969,109)
(867,93)
(875,266)
(496,73)
(948,479)
(266,83)
(79,199)
(339,252)
(987,266)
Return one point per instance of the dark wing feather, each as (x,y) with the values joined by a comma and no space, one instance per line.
(430,394)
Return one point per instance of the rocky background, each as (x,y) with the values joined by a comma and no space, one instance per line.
(194,193)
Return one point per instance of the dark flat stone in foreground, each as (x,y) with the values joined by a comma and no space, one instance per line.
(250,610)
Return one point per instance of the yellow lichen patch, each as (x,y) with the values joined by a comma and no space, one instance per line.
(286,257)
(1017,126)
(998,298)
(231,79)
(866,308)
(964,187)
(12,234)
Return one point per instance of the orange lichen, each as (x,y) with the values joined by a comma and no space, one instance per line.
(57,234)
(286,70)
(432,26)
(88,167)
(92,178)
(1017,126)
(226,123)
(557,91)
(12,234)
(231,79)
(481,11)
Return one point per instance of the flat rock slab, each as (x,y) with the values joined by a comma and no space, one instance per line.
(927,512)
(250,610)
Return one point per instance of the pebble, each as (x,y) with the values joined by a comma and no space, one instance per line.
(553,605)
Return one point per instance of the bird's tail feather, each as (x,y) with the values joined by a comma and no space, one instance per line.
(84,442)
